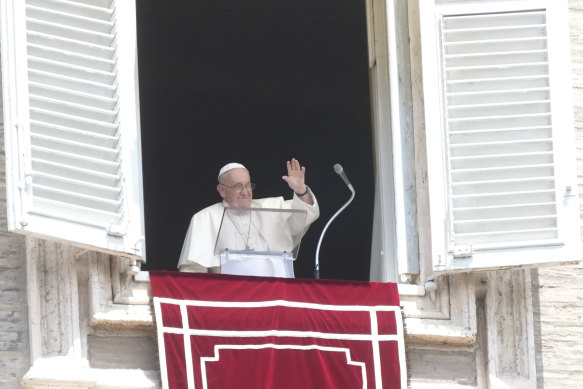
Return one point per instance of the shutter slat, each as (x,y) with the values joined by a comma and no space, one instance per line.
(80,187)
(71,147)
(64,120)
(499,109)
(488,174)
(507,135)
(510,121)
(67,197)
(524,223)
(71,71)
(106,4)
(69,45)
(97,166)
(498,212)
(92,23)
(70,58)
(509,45)
(75,34)
(494,46)
(505,199)
(493,84)
(498,96)
(76,173)
(532,145)
(75,135)
(74,213)
(502,186)
(494,20)
(498,72)
(493,35)
(73,84)
(498,239)
(72,96)
(71,109)
(93,11)
(494,161)
(498,148)
(483,59)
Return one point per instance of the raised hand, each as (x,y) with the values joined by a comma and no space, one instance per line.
(296,176)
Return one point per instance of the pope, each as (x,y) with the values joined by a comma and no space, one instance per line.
(236,190)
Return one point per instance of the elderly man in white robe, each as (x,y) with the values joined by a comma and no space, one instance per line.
(236,189)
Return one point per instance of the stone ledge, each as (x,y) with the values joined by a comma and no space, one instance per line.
(124,316)
(438,332)
(419,384)
(65,372)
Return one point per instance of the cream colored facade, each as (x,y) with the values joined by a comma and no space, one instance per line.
(82,319)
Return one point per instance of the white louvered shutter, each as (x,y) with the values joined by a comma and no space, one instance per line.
(505,193)
(72,122)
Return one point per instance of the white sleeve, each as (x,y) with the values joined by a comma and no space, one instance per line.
(199,243)
(313,210)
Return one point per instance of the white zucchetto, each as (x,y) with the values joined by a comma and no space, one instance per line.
(230,166)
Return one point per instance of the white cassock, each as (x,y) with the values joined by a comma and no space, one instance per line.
(198,251)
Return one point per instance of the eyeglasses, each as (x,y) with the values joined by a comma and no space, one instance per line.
(240,188)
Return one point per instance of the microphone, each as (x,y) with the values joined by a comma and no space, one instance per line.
(338,169)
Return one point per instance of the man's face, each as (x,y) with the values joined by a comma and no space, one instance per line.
(233,180)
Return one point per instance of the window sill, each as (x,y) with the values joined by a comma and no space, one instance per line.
(70,372)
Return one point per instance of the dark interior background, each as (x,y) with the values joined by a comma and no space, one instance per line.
(257,82)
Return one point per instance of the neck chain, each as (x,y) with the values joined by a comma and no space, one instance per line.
(240,227)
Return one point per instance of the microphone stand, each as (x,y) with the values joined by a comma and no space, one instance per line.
(317,266)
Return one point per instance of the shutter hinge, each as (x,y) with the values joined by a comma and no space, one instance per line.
(138,248)
(25,160)
(26,183)
(462,251)
(569,191)
(118,230)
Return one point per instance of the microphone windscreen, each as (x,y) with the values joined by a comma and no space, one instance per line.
(338,169)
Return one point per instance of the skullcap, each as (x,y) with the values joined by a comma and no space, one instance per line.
(230,166)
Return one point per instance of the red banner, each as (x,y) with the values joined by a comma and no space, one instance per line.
(218,331)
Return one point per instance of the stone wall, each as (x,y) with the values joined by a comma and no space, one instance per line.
(558,297)
(14,344)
